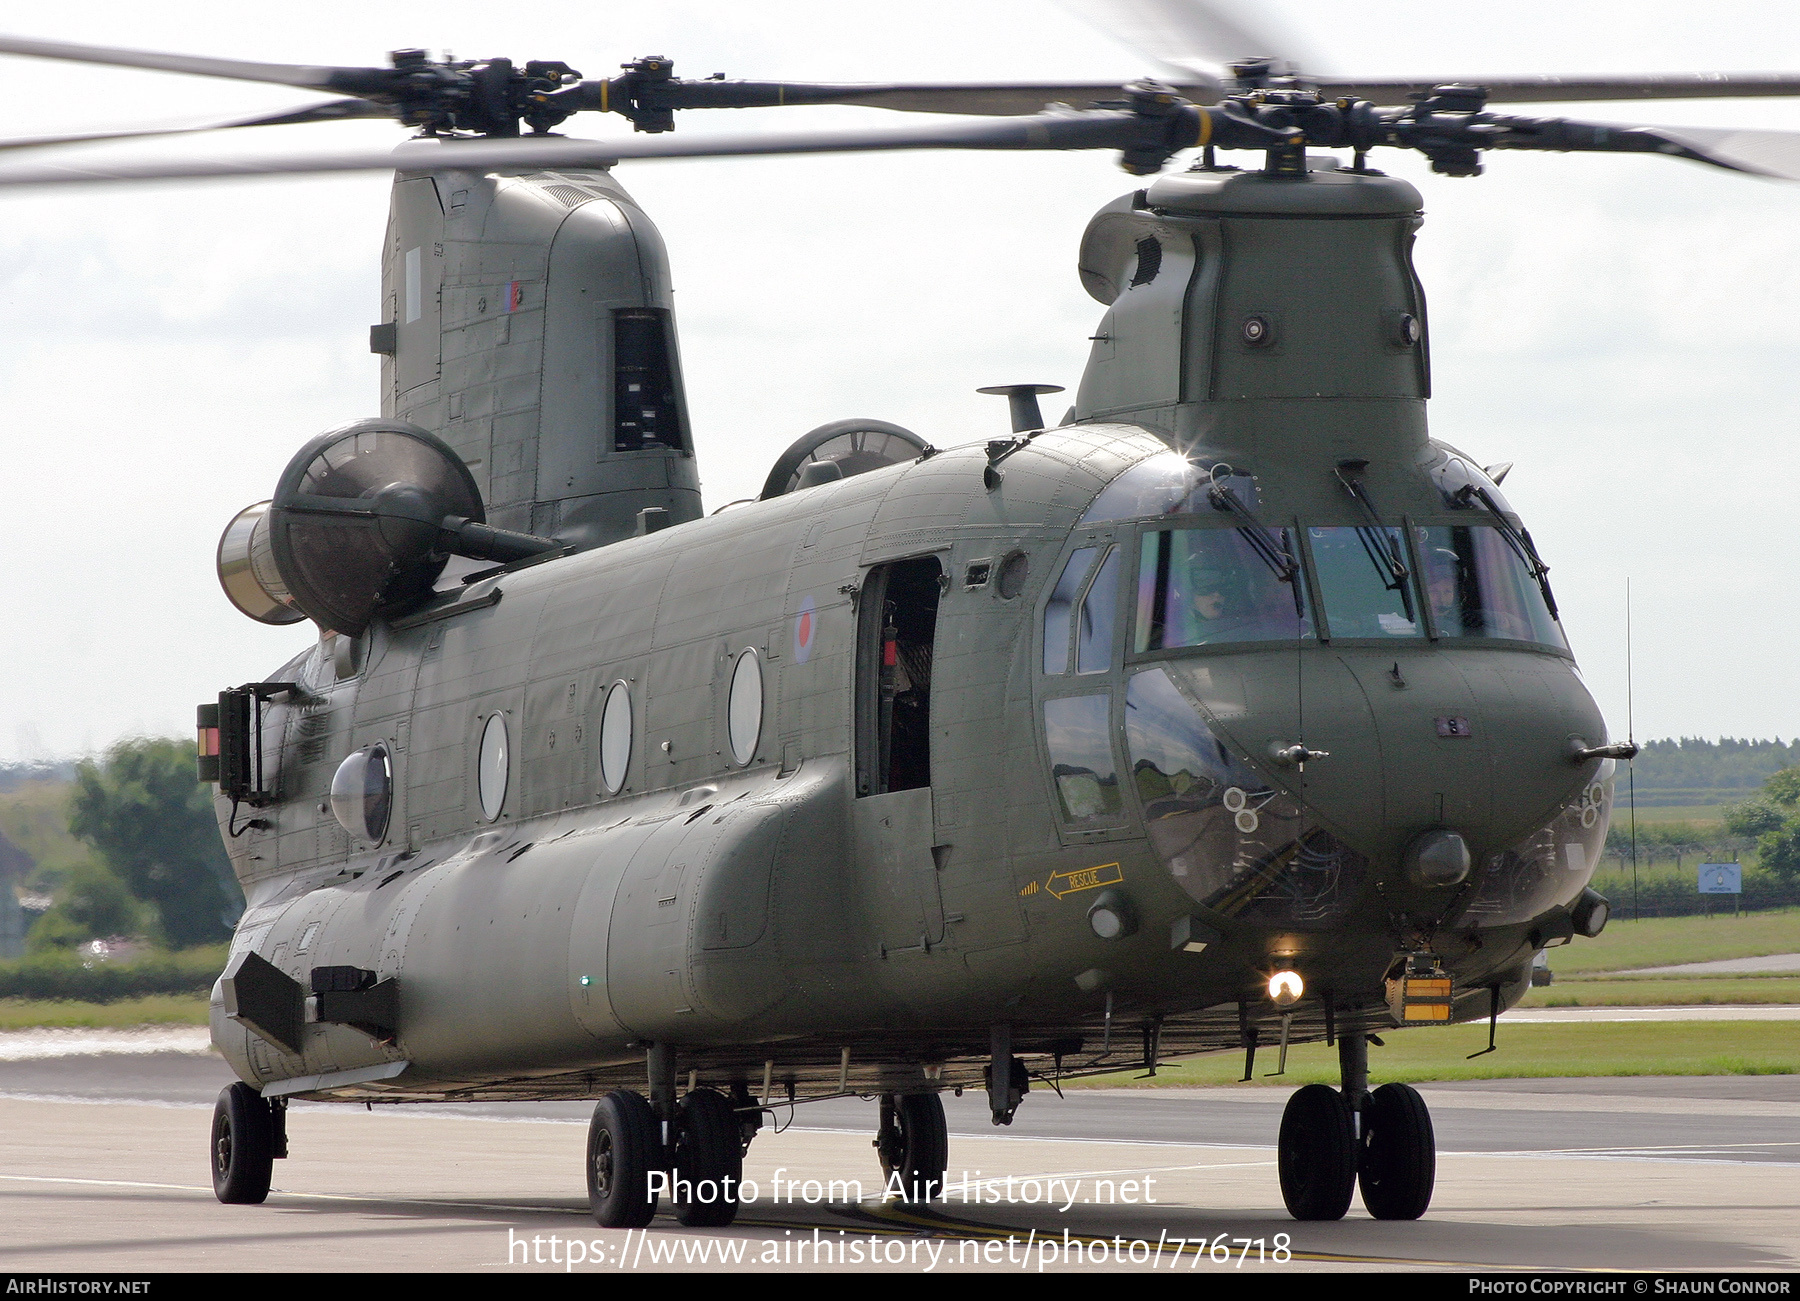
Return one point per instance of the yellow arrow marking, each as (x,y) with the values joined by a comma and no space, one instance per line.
(1087,878)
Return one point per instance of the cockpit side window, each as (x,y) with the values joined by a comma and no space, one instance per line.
(1456,476)
(1478,586)
(1363,582)
(1099,615)
(1197,587)
(1057,612)
(1079,737)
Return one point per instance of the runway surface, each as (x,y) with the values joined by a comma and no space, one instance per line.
(1632,1173)
(1776,962)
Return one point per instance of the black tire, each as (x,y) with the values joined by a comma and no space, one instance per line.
(1317,1154)
(1398,1162)
(709,1160)
(243,1146)
(624,1146)
(915,1144)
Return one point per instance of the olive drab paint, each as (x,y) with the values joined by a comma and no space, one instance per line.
(915,851)
(515,297)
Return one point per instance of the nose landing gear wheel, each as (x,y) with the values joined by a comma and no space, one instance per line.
(1398,1162)
(1317,1154)
(914,1143)
(624,1145)
(709,1160)
(243,1146)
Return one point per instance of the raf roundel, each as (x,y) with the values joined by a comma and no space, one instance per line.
(806,627)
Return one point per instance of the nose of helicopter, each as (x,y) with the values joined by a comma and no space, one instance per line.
(1471,742)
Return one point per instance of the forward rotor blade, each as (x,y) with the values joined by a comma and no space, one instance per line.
(1773,154)
(1762,153)
(329,111)
(1096,130)
(994,99)
(1201,37)
(1568,90)
(348,81)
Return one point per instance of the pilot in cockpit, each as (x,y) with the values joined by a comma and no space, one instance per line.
(1217,609)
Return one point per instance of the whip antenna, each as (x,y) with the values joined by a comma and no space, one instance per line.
(1631,738)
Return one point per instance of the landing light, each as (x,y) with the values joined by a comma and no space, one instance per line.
(1286,987)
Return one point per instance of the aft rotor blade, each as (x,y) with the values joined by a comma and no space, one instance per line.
(1096,130)
(1568,90)
(330,111)
(1196,36)
(348,81)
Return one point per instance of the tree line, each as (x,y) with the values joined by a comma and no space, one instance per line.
(1689,770)
(157,869)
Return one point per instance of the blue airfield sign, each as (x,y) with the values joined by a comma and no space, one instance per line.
(1721,878)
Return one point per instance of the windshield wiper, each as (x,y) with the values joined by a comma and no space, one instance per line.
(1262,540)
(1380,543)
(1519,540)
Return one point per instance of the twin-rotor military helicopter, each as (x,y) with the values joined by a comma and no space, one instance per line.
(1231,713)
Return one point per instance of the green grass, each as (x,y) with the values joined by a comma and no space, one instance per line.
(151,1009)
(1708,816)
(1663,991)
(1664,941)
(1526,1051)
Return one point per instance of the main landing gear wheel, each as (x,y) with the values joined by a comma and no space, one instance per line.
(1398,1162)
(1317,1154)
(709,1160)
(243,1146)
(914,1143)
(624,1146)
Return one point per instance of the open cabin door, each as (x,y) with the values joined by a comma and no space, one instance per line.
(891,819)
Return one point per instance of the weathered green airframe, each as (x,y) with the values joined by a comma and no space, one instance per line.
(1233,711)
(784,931)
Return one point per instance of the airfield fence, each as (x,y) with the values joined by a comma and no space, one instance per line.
(1665,893)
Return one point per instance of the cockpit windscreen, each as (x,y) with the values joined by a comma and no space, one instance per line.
(1478,586)
(1364,582)
(1198,587)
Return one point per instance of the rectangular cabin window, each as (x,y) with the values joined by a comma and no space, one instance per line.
(896,632)
(646,415)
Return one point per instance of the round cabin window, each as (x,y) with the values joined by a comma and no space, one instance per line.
(492,766)
(362,793)
(615,737)
(1014,570)
(745,709)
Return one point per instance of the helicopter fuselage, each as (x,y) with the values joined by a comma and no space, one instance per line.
(858,893)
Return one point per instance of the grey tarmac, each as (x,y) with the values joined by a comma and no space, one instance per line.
(103,1168)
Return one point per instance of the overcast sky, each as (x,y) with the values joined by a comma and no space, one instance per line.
(1624,329)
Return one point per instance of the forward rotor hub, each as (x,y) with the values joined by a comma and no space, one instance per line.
(488,97)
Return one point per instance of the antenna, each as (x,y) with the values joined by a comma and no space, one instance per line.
(1630,773)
